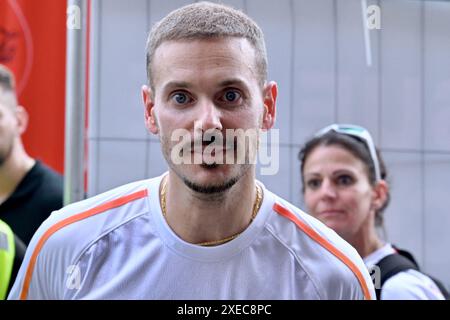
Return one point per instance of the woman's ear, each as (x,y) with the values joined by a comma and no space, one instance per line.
(149,113)
(270,98)
(380,194)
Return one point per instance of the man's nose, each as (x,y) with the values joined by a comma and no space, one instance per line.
(210,117)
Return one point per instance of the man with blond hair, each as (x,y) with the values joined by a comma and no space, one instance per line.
(205,229)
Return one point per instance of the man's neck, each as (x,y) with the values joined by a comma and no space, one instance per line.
(12,171)
(196,218)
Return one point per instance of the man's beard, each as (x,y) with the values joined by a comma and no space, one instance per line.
(210,189)
(5,153)
(205,189)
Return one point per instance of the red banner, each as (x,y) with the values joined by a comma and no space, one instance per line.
(33,46)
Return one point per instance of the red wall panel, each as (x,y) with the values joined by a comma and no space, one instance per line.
(33,45)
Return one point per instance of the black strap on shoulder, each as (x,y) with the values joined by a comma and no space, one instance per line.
(395,263)
(407,254)
(391,265)
(438,283)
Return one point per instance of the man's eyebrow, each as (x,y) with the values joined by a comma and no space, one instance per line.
(234,81)
(177,84)
(185,85)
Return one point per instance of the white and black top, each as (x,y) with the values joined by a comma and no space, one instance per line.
(405,285)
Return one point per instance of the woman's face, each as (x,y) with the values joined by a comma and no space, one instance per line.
(337,190)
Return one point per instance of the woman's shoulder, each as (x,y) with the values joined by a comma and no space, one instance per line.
(410,285)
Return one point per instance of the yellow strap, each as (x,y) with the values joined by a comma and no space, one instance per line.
(7,252)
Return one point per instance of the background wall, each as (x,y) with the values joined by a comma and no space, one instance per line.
(317,56)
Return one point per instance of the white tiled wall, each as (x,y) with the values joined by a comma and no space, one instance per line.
(437,220)
(317,56)
(404,218)
(313,74)
(268,14)
(401,75)
(357,84)
(122,68)
(436,49)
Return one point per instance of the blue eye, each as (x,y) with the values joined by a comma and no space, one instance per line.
(180,98)
(231,96)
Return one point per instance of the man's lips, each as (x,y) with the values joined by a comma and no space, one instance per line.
(211,152)
(211,149)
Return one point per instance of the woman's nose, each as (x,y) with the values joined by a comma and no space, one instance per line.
(328,190)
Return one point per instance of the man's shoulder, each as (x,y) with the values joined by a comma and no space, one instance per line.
(47,170)
(69,232)
(328,259)
(47,174)
(46,185)
(79,223)
(307,228)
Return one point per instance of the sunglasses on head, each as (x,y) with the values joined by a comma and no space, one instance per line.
(359,132)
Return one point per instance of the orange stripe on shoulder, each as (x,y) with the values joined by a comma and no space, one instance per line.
(63,223)
(327,245)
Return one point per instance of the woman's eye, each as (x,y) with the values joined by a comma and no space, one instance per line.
(181,98)
(345,180)
(313,183)
(231,96)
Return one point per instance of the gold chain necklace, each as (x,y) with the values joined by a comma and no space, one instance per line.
(256,206)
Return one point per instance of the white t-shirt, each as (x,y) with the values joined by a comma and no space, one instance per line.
(117,245)
(405,285)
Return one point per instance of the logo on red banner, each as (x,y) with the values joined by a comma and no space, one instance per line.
(16,44)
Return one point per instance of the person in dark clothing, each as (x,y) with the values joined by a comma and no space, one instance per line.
(37,195)
(29,190)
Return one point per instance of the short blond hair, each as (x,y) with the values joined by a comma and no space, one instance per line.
(206,20)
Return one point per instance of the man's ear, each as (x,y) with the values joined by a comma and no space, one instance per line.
(22,119)
(270,92)
(149,113)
